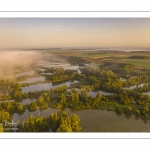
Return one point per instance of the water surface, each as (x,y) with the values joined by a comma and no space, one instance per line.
(97,120)
(44,86)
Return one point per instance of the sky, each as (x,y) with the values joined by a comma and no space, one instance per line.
(24,33)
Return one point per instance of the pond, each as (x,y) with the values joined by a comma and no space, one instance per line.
(32,80)
(97,120)
(56,65)
(27,101)
(44,86)
(73,68)
(135,86)
(93,94)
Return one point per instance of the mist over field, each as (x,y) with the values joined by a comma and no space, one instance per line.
(15,60)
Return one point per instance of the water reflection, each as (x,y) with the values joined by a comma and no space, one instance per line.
(36,113)
(145,121)
(41,87)
(137,117)
(27,101)
(56,65)
(93,94)
(118,114)
(128,116)
(96,120)
(73,68)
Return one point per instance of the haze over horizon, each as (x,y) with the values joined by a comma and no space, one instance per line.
(30,33)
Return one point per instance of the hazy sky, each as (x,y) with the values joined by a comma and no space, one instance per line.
(74,32)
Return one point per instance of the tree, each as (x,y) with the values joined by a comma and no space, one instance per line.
(1,128)
(44,106)
(17,94)
(137,112)
(21,108)
(118,109)
(63,99)
(34,124)
(4,116)
(60,122)
(99,96)
(40,100)
(33,106)
(129,109)
(75,123)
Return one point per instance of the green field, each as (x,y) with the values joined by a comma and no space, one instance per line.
(120,57)
(137,62)
(99,57)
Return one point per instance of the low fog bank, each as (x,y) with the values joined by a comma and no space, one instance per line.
(13,61)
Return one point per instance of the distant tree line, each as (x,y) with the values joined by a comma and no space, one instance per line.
(139,57)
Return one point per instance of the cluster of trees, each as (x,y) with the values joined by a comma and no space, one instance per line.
(130,96)
(101,79)
(49,70)
(144,88)
(62,75)
(136,80)
(60,122)
(13,90)
(109,81)
(74,61)
(139,57)
(4,96)
(34,124)
(42,102)
(143,111)
(4,115)
(57,122)
(12,107)
(125,70)
(77,100)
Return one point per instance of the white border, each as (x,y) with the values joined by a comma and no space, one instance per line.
(74,5)
(96,135)
(74,14)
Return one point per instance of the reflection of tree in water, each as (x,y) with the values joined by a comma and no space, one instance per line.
(145,121)
(20,113)
(62,108)
(128,116)
(18,100)
(137,117)
(73,110)
(118,114)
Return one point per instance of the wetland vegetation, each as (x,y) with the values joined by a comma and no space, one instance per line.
(97,83)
